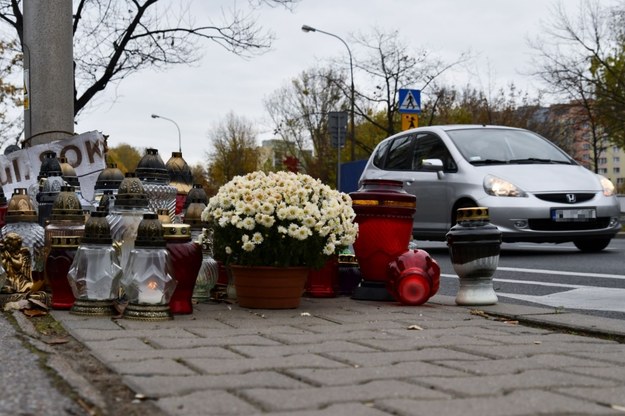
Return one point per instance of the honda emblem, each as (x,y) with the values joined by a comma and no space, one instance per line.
(570,198)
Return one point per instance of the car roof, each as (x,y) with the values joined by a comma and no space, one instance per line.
(448,127)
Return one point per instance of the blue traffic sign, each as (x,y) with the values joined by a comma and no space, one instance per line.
(410,101)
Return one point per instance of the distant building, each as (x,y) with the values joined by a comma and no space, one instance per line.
(566,125)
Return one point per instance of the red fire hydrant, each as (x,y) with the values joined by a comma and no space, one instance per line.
(384,213)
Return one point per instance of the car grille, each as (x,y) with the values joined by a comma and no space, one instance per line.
(549,225)
(564,198)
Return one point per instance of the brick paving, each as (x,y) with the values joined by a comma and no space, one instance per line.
(339,356)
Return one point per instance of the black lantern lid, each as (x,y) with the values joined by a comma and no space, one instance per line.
(150,232)
(110,178)
(151,168)
(131,193)
(97,229)
(193,214)
(180,175)
(20,207)
(49,164)
(196,194)
(67,206)
(69,173)
(105,202)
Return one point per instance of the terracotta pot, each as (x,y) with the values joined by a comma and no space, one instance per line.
(260,287)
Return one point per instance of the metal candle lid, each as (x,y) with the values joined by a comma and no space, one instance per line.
(65,241)
(69,173)
(196,194)
(150,232)
(472,214)
(151,167)
(49,164)
(131,193)
(110,178)
(97,229)
(67,206)
(21,207)
(180,175)
(193,214)
(177,231)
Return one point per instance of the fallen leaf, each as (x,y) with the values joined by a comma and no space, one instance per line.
(304,314)
(56,341)
(478,312)
(537,342)
(415,327)
(34,312)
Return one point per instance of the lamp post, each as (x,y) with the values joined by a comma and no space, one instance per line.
(178,128)
(306,28)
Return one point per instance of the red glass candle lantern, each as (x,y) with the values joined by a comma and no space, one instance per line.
(185,257)
(324,282)
(414,277)
(384,213)
(59,260)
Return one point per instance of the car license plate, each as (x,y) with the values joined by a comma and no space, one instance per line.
(575,215)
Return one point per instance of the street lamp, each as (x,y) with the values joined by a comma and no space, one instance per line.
(176,124)
(306,28)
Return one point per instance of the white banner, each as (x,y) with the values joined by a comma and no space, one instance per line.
(85,152)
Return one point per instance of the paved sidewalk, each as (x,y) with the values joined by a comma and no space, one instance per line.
(339,356)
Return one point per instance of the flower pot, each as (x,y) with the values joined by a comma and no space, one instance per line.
(261,287)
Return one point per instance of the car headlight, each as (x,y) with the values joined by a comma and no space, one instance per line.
(499,187)
(607,185)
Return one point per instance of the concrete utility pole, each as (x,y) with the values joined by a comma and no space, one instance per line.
(48,71)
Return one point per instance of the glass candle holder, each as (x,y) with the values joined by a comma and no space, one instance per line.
(96,271)
(4,207)
(146,279)
(50,188)
(131,203)
(155,179)
(209,270)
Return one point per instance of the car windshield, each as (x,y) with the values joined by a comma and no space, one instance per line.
(482,146)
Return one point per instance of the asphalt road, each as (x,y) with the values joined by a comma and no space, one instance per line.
(552,275)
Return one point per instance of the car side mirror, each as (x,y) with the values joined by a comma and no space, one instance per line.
(432,165)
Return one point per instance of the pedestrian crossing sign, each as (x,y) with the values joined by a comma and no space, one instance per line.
(410,101)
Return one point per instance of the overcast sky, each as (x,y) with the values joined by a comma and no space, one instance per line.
(199,97)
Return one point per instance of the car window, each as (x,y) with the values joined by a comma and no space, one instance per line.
(400,154)
(380,154)
(481,145)
(430,146)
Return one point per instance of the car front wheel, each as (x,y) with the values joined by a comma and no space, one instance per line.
(592,245)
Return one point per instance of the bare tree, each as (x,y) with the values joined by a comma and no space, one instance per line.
(581,61)
(234,149)
(114,39)
(391,66)
(300,110)
(10,94)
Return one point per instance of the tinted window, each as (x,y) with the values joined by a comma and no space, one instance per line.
(430,146)
(400,154)
(380,154)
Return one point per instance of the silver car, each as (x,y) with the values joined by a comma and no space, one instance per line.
(534,191)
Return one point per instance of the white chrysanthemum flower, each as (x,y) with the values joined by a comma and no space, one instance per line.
(249,223)
(248,246)
(329,249)
(257,238)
